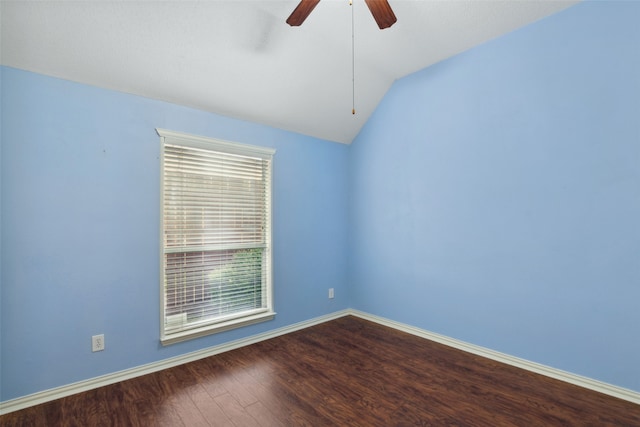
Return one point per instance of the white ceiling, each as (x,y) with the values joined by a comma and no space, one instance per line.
(240,59)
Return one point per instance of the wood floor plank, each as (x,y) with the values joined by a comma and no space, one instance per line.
(235,411)
(284,402)
(264,416)
(207,376)
(140,404)
(237,382)
(209,408)
(168,414)
(347,372)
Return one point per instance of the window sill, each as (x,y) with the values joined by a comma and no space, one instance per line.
(216,328)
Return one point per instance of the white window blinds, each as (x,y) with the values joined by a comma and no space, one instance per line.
(216,249)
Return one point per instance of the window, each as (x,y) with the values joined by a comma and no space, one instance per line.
(216,236)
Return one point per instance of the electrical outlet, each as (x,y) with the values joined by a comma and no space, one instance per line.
(97,343)
(331,293)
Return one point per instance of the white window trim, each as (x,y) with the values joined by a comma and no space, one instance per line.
(224,324)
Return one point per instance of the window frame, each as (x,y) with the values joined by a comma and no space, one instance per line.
(235,320)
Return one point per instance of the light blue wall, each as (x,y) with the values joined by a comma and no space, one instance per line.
(80,228)
(495,197)
(1,70)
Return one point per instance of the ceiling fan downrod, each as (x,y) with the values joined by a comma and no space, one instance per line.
(353,63)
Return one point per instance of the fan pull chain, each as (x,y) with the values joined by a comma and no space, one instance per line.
(353,63)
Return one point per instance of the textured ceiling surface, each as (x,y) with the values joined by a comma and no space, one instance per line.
(240,59)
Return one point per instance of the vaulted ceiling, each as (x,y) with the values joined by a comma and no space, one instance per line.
(240,59)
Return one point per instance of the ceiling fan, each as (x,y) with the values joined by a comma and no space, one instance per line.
(380,10)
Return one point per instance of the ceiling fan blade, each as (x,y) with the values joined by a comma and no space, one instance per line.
(382,13)
(301,12)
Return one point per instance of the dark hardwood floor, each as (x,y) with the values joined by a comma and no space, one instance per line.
(347,372)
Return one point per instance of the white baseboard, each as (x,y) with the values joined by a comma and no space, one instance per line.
(591,384)
(67,390)
(78,387)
